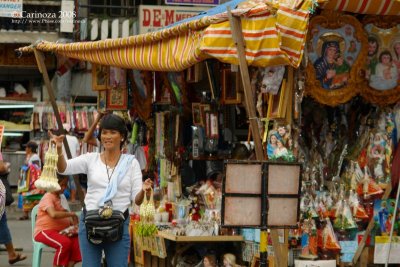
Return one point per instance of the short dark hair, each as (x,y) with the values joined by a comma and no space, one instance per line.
(113,122)
(33,146)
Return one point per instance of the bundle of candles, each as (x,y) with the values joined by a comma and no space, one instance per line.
(48,179)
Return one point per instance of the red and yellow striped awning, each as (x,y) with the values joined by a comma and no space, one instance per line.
(373,7)
(274,35)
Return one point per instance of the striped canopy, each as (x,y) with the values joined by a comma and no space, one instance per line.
(373,7)
(274,35)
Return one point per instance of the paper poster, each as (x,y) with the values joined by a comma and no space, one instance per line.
(382,248)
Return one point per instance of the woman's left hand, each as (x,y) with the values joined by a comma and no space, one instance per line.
(147,185)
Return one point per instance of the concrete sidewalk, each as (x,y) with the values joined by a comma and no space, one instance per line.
(21,233)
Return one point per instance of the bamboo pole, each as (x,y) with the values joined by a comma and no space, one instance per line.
(43,70)
(236,30)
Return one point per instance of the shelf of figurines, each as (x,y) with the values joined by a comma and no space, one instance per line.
(334,219)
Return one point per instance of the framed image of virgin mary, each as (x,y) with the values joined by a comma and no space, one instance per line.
(336,48)
(382,69)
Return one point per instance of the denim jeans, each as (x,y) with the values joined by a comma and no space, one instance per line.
(116,253)
(5,236)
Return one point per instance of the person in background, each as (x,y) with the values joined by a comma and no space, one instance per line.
(104,170)
(31,158)
(31,153)
(89,137)
(75,149)
(56,227)
(5,235)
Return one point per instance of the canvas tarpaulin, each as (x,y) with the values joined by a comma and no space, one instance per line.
(373,7)
(274,34)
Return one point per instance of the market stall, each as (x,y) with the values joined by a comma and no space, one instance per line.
(345,138)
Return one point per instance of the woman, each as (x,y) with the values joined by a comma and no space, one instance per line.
(52,220)
(103,171)
(271,146)
(5,235)
(32,165)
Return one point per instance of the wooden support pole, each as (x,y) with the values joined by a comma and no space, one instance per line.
(369,229)
(236,30)
(43,70)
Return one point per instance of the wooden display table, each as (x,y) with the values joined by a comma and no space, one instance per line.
(183,243)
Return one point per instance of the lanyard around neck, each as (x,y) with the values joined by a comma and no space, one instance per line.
(108,175)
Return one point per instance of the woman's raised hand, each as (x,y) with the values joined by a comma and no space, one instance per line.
(147,185)
(56,139)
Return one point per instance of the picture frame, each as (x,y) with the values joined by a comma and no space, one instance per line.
(231,87)
(117,99)
(117,78)
(382,67)
(137,247)
(276,103)
(336,49)
(196,114)
(100,76)
(102,100)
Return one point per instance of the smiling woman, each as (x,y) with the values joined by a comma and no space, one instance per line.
(114,182)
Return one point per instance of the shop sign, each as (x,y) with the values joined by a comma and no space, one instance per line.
(153,18)
(10,8)
(193,2)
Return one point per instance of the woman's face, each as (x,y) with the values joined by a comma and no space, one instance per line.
(111,138)
(273,139)
(331,53)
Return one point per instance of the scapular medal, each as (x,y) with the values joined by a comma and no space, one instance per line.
(106,211)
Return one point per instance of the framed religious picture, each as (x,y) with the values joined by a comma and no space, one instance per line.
(231,84)
(382,69)
(117,99)
(100,74)
(336,48)
(117,78)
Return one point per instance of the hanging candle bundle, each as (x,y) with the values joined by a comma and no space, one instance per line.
(48,179)
(146,226)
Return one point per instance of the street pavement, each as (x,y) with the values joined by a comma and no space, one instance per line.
(21,233)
